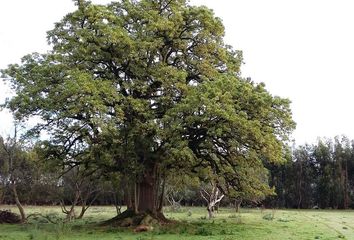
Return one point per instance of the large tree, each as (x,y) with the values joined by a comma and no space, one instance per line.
(146,87)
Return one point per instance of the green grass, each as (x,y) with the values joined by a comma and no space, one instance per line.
(192,225)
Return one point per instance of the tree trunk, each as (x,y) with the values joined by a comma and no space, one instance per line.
(2,194)
(70,214)
(238,205)
(300,187)
(213,198)
(146,195)
(18,203)
(210,212)
(145,200)
(118,209)
(82,212)
(162,194)
(346,195)
(148,214)
(128,197)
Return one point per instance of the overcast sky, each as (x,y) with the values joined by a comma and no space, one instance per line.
(301,49)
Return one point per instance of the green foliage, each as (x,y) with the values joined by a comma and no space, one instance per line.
(318,176)
(268,216)
(203,231)
(136,86)
(38,218)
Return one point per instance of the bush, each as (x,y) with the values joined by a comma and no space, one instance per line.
(45,218)
(236,217)
(268,217)
(202,231)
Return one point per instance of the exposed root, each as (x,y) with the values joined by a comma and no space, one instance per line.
(142,221)
(143,228)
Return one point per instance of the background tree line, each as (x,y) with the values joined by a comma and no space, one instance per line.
(320,175)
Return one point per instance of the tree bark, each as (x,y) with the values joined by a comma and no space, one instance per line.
(146,195)
(128,197)
(346,195)
(160,203)
(300,187)
(70,214)
(18,203)
(210,212)
(238,205)
(212,198)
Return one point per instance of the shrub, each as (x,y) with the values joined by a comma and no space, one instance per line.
(268,216)
(202,231)
(6,216)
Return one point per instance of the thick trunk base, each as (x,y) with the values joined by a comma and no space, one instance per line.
(129,218)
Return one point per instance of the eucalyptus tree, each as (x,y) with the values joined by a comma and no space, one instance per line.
(146,87)
(341,156)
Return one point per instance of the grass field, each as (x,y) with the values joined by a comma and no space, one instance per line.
(192,225)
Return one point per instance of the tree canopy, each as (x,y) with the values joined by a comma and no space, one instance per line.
(148,87)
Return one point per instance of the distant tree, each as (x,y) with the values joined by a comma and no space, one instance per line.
(178,187)
(79,187)
(113,188)
(212,194)
(278,176)
(350,168)
(15,168)
(305,176)
(341,156)
(144,88)
(323,155)
(253,187)
(318,175)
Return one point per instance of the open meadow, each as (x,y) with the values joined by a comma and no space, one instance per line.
(192,224)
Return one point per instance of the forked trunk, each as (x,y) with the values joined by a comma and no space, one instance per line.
(212,198)
(70,213)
